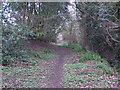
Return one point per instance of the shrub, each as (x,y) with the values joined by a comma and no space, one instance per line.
(13,43)
(43,36)
(88,55)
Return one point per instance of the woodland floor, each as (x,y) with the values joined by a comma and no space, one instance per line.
(57,67)
(60,71)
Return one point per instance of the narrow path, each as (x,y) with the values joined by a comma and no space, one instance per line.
(57,69)
(58,61)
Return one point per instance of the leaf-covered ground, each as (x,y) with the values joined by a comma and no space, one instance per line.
(31,74)
(24,76)
(52,66)
(90,74)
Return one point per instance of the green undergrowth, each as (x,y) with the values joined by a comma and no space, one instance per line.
(29,73)
(80,74)
(44,54)
(89,55)
(91,70)
(74,47)
(24,77)
(84,54)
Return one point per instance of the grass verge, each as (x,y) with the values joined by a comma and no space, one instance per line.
(91,71)
(30,74)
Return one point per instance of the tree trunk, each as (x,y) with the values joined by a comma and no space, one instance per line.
(84,31)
